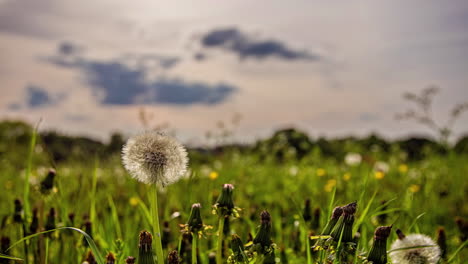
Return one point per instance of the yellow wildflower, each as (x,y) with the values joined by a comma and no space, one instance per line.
(347,176)
(8,185)
(330,184)
(213,175)
(321,172)
(379,175)
(403,168)
(414,188)
(134,201)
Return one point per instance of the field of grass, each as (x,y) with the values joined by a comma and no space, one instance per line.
(98,196)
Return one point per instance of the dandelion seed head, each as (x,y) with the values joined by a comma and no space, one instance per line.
(428,253)
(353,159)
(154,158)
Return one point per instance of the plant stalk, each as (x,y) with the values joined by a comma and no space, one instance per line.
(194,248)
(219,252)
(156,228)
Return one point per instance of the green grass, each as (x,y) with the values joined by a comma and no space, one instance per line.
(430,194)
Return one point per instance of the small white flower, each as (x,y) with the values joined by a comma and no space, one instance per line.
(353,159)
(154,158)
(427,253)
(293,170)
(381,166)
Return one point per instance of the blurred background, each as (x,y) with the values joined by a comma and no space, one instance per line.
(236,70)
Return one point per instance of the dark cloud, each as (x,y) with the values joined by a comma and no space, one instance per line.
(246,46)
(67,48)
(125,82)
(37,97)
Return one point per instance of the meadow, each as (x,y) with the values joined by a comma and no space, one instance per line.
(94,193)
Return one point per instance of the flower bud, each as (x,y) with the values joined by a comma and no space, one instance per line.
(337,212)
(237,248)
(18,214)
(50,223)
(442,242)
(110,258)
(130,260)
(145,249)
(263,236)
(225,204)
(4,244)
(344,227)
(48,183)
(306,214)
(90,258)
(195,222)
(378,252)
(316,219)
(173,257)
(34,222)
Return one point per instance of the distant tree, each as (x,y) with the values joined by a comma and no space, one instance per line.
(423,113)
(462,145)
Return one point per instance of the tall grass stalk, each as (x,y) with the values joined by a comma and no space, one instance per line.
(32,145)
(219,250)
(194,248)
(153,197)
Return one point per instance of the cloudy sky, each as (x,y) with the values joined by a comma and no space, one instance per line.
(327,67)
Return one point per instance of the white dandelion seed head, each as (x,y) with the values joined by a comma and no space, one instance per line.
(381,166)
(154,158)
(429,254)
(353,159)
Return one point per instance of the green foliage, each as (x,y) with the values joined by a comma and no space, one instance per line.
(421,194)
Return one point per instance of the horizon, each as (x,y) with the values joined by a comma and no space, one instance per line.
(328,69)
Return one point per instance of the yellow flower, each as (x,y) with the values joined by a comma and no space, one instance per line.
(330,184)
(414,188)
(321,172)
(379,175)
(8,185)
(134,201)
(347,176)
(213,175)
(403,168)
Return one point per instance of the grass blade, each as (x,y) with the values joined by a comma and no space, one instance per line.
(9,257)
(92,245)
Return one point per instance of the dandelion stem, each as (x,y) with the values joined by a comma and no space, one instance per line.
(194,248)
(156,228)
(219,252)
(46,259)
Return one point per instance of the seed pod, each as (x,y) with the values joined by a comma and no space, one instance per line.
(145,249)
(378,252)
